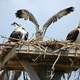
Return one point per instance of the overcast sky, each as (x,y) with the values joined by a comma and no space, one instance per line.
(42,10)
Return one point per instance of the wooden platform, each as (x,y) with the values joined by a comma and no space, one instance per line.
(41,54)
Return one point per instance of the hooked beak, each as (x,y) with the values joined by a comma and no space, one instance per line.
(14,23)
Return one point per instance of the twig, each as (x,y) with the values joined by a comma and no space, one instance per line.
(56,60)
(53,66)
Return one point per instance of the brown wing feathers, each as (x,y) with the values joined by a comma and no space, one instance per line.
(72,36)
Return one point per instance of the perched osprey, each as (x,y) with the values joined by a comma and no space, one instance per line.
(74,35)
(19,33)
(26,15)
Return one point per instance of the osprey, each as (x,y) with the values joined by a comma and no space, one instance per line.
(26,15)
(19,33)
(74,35)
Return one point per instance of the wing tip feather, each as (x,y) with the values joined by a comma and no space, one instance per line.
(18,14)
(70,9)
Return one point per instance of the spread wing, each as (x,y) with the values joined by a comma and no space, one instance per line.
(25,14)
(72,35)
(57,16)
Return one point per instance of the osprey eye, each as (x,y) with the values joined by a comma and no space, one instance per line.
(23,28)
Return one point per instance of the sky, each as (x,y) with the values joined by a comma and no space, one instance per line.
(42,10)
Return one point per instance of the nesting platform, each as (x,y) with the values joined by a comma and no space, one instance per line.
(64,56)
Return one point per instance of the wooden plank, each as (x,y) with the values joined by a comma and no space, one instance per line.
(48,60)
(72,54)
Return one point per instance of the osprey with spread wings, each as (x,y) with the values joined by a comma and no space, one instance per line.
(26,15)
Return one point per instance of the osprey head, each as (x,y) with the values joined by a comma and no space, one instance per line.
(39,35)
(78,26)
